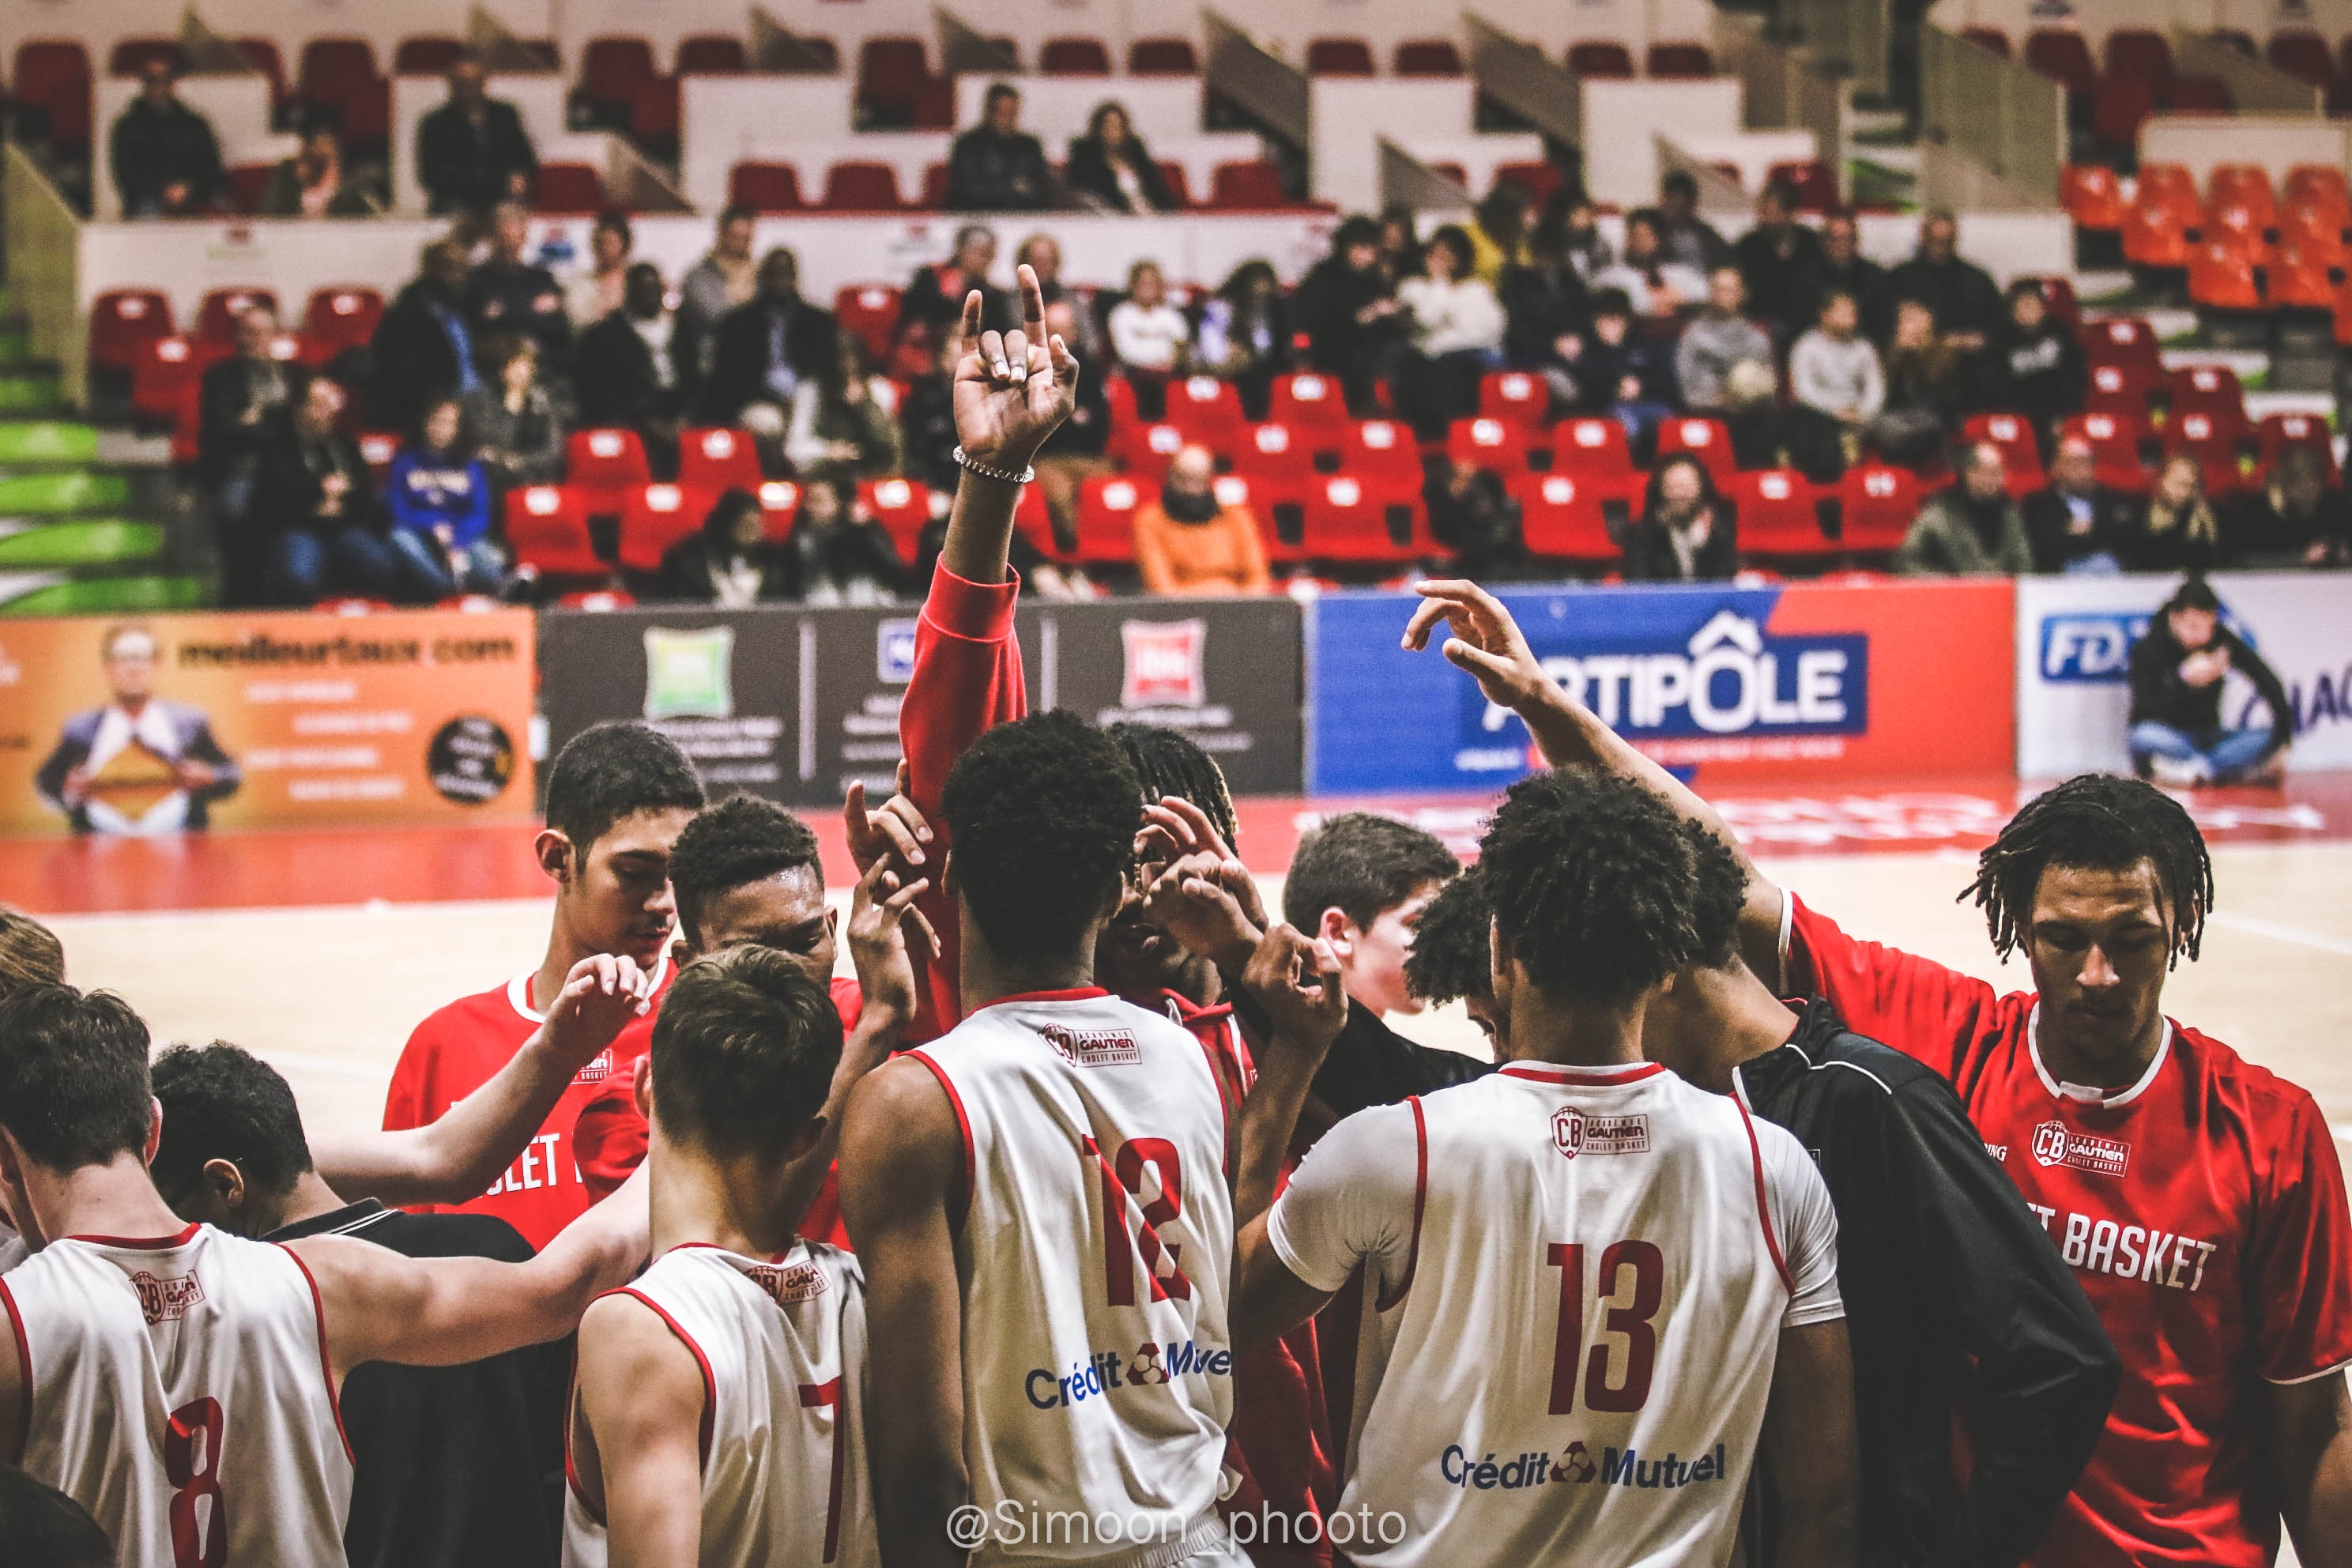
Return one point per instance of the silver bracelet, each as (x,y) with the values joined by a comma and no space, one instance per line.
(1003,476)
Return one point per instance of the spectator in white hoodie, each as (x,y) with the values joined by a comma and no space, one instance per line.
(1457,334)
(1149,335)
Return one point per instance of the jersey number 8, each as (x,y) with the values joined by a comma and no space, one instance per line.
(192,1447)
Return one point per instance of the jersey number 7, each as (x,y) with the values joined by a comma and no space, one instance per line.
(1121,1180)
(1633,1321)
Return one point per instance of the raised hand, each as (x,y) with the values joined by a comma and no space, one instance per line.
(1297,983)
(1012,388)
(598,998)
(878,913)
(1191,902)
(1485,640)
(1175,830)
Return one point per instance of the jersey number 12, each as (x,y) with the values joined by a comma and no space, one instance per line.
(1632,1321)
(1123,1179)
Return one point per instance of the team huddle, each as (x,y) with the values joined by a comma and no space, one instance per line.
(1101,1219)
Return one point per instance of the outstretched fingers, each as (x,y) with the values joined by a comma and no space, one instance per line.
(1032,299)
(971,319)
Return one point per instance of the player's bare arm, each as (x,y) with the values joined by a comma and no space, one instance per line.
(1295,982)
(1269,1300)
(1808,1447)
(901,1170)
(444,1311)
(2311,1433)
(1485,641)
(1011,390)
(637,1426)
(456,1157)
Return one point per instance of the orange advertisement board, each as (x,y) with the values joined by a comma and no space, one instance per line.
(174,723)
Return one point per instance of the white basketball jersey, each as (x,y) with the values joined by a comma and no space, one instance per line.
(1094,1256)
(1574,1290)
(783,1351)
(180,1391)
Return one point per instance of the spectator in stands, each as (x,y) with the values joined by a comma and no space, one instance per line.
(926,429)
(1151,336)
(240,404)
(723,280)
(1187,542)
(314,183)
(1843,265)
(439,498)
(596,290)
(1836,376)
(1656,284)
(1244,334)
(1689,239)
(1547,310)
(1688,531)
(637,368)
(1042,253)
(2296,518)
(1110,170)
(166,161)
(1923,388)
(1781,260)
(424,348)
(934,299)
(1499,235)
(1457,334)
(1972,529)
(845,427)
(1964,298)
(1622,373)
(1474,514)
(2179,530)
(1351,315)
(316,518)
(2075,524)
(996,167)
(472,153)
(1588,248)
(2177,670)
(1718,339)
(2036,368)
(511,424)
(1399,243)
(1073,454)
(840,555)
(730,561)
(766,349)
(507,293)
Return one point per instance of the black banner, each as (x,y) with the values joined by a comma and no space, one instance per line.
(794,704)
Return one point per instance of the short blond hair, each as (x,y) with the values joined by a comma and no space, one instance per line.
(30,954)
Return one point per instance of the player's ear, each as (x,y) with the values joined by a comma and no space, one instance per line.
(224,1182)
(804,1138)
(154,1131)
(832,923)
(552,850)
(643,1089)
(1337,929)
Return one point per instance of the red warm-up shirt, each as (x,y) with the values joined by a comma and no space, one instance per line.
(462,1046)
(2204,1212)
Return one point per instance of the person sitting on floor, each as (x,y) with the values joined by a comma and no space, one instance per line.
(2178,670)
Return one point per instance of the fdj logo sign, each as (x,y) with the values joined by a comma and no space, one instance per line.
(2093,649)
(1730,678)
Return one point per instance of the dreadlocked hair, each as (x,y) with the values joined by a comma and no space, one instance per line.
(1169,763)
(2097,822)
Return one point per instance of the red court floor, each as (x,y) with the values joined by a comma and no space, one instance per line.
(285,868)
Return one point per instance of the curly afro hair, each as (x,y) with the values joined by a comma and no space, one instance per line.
(1591,877)
(1453,945)
(2096,822)
(742,839)
(1718,896)
(1042,815)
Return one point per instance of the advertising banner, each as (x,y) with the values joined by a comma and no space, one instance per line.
(1799,681)
(796,704)
(165,723)
(2075,637)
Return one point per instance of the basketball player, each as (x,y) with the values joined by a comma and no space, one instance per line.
(182,1383)
(2197,1196)
(1040,1203)
(1593,1287)
(617,796)
(720,1413)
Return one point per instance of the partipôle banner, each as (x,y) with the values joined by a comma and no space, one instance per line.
(166,723)
(797,704)
(1787,682)
(2075,637)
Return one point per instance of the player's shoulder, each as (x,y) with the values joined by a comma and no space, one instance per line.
(448,1236)
(1841,1066)
(469,1018)
(2218,1072)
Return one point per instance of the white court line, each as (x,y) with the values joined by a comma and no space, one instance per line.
(2255,926)
(2343,1130)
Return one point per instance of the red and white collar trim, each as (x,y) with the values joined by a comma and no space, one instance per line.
(2112,1100)
(519,989)
(1029,998)
(142,1243)
(1582,1077)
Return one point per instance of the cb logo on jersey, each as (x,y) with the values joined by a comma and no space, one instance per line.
(2055,1143)
(166,1299)
(1573,1133)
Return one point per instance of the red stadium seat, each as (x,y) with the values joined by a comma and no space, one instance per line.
(131,56)
(1595,448)
(653,115)
(1538,180)
(2170,185)
(2197,95)
(2058,295)
(2092,197)
(765,187)
(871,311)
(123,321)
(571,190)
(1499,444)
(377,449)
(1074,57)
(2140,52)
(1247,187)
(2123,340)
(1516,395)
(1339,57)
(1163,56)
(2301,280)
(1877,503)
(1815,185)
(2014,435)
(1709,440)
(1427,58)
(2313,227)
(1382,451)
(1180,188)
(654,518)
(1309,402)
(711,54)
(2116,440)
(1991,38)
(52,79)
(340,74)
(1106,519)
(340,318)
(1560,517)
(779,508)
(2208,389)
(893,73)
(548,529)
(2303,55)
(2321,186)
(2214,442)
(859,186)
(1683,62)
(217,317)
(1273,450)
(613,71)
(1779,515)
(243,185)
(903,508)
(935,188)
(2155,236)
(1348,518)
(2118,389)
(2247,183)
(1601,57)
(2060,53)
(1207,410)
(2119,107)
(1145,449)
(164,370)
(604,463)
(2280,433)
(427,54)
(2221,276)
(719,458)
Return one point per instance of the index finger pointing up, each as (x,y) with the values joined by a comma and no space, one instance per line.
(1033,300)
